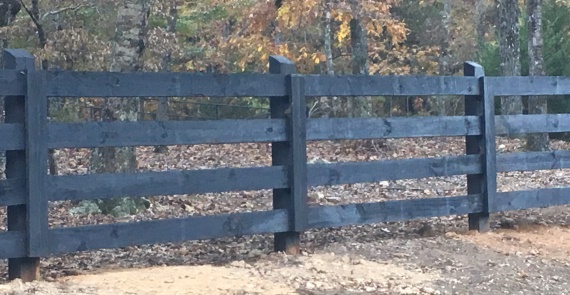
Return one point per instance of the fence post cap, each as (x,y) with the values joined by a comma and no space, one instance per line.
(281,65)
(17,59)
(471,68)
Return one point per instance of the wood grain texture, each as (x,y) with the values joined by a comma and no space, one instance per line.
(373,171)
(84,238)
(141,84)
(373,85)
(530,85)
(12,136)
(282,155)
(392,211)
(520,124)
(150,133)
(36,164)
(12,82)
(22,266)
(482,144)
(142,184)
(539,198)
(12,244)
(12,191)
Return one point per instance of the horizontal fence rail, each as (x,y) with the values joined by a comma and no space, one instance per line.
(145,184)
(13,82)
(108,84)
(12,136)
(518,124)
(12,244)
(392,211)
(324,85)
(518,200)
(111,84)
(26,137)
(149,133)
(544,85)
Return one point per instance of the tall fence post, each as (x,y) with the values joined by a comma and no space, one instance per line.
(292,154)
(485,184)
(29,164)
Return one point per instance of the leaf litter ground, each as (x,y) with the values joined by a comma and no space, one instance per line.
(526,253)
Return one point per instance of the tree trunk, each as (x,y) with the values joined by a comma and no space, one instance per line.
(275,31)
(162,107)
(536,104)
(8,11)
(361,106)
(479,18)
(128,48)
(444,56)
(509,51)
(332,109)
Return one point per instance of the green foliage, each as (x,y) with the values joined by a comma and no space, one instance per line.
(557,38)
(556,34)
(489,58)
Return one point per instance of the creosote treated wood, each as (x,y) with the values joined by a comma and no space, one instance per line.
(529,85)
(114,84)
(36,165)
(13,245)
(13,83)
(326,85)
(20,217)
(540,198)
(149,133)
(283,154)
(369,128)
(391,211)
(518,124)
(12,136)
(101,84)
(12,191)
(372,171)
(83,238)
(483,183)
(26,137)
(142,184)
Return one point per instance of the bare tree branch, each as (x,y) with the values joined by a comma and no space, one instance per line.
(29,12)
(64,9)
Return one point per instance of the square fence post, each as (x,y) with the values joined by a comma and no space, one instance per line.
(29,164)
(485,184)
(292,154)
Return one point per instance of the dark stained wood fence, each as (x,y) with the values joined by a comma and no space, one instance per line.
(26,137)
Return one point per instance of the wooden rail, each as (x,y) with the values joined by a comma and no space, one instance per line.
(27,136)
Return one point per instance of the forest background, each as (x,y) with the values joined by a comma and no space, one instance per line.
(363,37)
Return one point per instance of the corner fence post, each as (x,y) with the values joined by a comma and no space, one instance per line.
(292,154)
(25,268)
(484,184)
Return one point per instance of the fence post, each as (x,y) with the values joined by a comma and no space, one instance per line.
(485,184)
(29,164)
(292,154)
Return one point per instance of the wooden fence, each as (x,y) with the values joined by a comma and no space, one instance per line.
(26,137)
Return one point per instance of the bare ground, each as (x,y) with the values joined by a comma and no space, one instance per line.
(526,253)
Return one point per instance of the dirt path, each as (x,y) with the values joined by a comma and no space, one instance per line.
(275,274)
(528,260)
